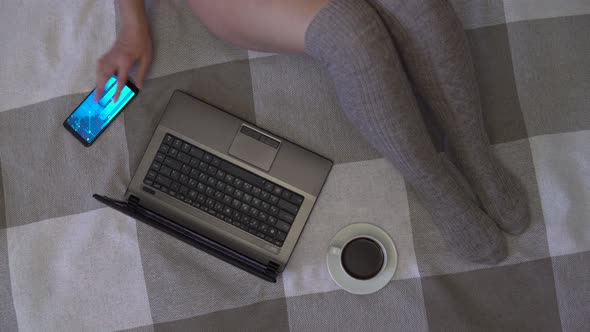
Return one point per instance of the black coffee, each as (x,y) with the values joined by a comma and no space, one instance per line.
(362,258)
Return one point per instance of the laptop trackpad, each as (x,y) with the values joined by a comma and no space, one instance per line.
(254,148)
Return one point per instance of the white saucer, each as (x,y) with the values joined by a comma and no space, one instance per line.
(348,283)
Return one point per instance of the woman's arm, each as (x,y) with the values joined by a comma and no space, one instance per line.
(133,45)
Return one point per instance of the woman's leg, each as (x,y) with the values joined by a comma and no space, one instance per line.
(350,39)
(436,53)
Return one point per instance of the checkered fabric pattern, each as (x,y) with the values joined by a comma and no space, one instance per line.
(68,263)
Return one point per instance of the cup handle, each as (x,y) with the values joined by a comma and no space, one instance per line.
(335,250)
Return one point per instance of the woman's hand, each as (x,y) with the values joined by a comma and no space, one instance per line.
(133,45)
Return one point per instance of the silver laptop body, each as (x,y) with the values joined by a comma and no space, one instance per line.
(252,149)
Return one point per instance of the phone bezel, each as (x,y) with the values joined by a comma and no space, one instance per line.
(130,85)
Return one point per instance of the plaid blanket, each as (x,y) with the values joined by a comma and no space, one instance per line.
(68,263)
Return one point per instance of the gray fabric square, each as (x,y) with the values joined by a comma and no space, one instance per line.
(227,86)
(184,282)
(47,173)
(295,98)
(495,75)
(573,290)
(510,298)
(435,258)
(264,316)
(551,64)
(7,313)
(397,307)
(562,164)
(182,43)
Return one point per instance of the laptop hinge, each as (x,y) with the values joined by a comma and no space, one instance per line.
(133,202)
(272,268)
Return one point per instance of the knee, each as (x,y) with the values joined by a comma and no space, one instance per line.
(214,15)
(350,28)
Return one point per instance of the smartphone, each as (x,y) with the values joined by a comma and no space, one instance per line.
(91,118)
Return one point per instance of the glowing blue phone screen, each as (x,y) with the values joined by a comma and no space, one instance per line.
(91,117)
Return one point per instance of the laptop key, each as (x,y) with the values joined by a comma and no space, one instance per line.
(168,139)
(211,170)
(238,194)
(185,147)
(227,211)
(229,189)
(203,166)
(196,152)
(236,215)
(283,226)
(201,198)
(264,196)
(256,202)
(183,190)
(277,191)
(164,181)
(256,191)
(273,210)
(175,186)
(192,194)
(166,170)
(238,183)
(247,187)
(164,148)
(193,183)
(286,194)
(173,152)
(151,175)
(289,218)
(160,157)
(156,166)
(227,200)
(218,207)
(220,174)
(211,181)
(218,195)
(207,158)
(281,236)
(245,208)
(203,177)
(194,162)
(271,220)
(220,185)
(185,158)
(209,191)
(177,144)
(265,206)
(272,232)
(216,162)
(297,199)
(283,204)
(175,175)
(273,200)
(184,179)
(268,186)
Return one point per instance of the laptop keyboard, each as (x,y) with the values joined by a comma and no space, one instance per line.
(224,190)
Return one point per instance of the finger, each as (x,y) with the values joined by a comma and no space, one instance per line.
(144,65)
(122,75)
(103,73)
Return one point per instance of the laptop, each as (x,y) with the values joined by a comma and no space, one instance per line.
(225,186)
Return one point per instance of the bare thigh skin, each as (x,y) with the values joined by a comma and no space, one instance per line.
(276,26)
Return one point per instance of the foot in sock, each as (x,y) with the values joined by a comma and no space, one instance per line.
(350,39)
(438,61)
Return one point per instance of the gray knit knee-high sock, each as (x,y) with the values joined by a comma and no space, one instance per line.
(437,57)
(349,38)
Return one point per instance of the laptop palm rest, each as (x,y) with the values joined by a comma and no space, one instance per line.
(255,148)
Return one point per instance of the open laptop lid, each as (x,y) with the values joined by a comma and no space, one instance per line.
(136,211)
